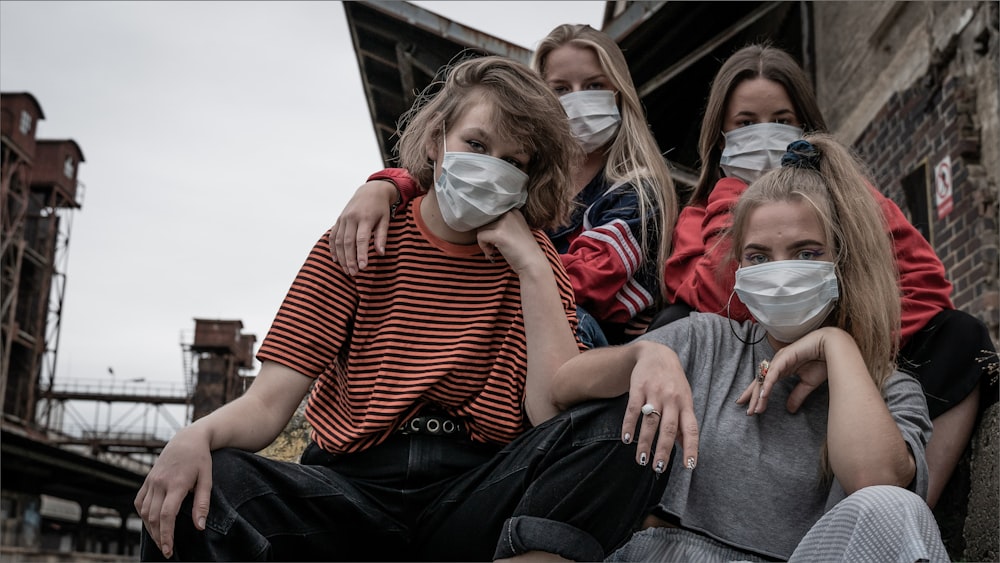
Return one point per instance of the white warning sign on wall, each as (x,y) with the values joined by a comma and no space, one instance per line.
(942,187)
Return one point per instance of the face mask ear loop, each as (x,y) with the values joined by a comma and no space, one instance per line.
(729,319)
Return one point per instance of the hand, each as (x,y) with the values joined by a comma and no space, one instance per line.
(365,213)
(658,379)
(512,238)
(806,358)
(184,465)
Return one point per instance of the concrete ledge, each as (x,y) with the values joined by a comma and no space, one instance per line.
(981,529)
(292,441)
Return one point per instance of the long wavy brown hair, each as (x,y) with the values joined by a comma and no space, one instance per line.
(523,108)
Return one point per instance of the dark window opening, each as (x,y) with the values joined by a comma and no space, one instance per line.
(916,188)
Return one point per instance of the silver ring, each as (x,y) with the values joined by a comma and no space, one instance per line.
(649,409)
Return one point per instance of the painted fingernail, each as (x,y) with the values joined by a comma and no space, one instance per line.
(690,462)
(627,438)
(659,466)
(642,459)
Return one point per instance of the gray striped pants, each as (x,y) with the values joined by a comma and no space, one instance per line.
(877,524)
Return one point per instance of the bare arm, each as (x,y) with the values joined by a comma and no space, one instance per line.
(251,422)
(650,373)
(549,338)
(865,445)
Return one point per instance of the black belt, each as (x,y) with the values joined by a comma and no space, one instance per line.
(433,425)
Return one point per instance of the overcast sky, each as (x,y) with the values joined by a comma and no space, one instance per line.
(221,139)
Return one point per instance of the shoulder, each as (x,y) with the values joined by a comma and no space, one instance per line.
(902,387)
(615,201)
(694,326)
(545,243)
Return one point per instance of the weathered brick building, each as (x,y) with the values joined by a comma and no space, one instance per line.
(914,87)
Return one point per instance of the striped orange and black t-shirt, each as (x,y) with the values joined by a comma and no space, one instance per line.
(430,323)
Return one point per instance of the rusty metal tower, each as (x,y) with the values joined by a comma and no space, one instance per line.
(40,193)
(216,364)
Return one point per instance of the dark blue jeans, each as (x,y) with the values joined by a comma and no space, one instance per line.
(588,330)
(568,486)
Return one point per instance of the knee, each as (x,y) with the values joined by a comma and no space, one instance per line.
(232,469)
(229,458)
(600,419)
(886,500)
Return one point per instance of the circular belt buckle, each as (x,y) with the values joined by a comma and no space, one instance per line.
(433,425)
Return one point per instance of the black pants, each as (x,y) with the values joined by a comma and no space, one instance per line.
(569,486)
(950,355)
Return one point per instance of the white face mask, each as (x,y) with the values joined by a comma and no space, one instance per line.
(475,189)
(789,298)
(753,150)
(593,117)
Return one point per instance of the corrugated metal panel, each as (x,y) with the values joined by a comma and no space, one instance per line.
(399,48)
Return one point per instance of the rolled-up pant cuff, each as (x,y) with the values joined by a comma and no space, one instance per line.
(522,534)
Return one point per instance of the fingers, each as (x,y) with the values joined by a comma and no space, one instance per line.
(337,245)
(143,503)
(664,430)
(202,496)
(746,394)
(357,254)
(349,243)
(165,519)
(157,515)
(799,394)
(759,396)
(759,390)
(346,250)
(666,433)
(489,250)
(632,414)
(381,235)
(689,438)
(335,251)
(652,427)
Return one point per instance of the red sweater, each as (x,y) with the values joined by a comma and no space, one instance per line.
(699,273)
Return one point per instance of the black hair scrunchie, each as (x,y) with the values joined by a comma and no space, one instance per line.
(801,154)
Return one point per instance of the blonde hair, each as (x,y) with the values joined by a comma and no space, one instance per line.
(838,189)
(522,106)
(752,61)
(634,155)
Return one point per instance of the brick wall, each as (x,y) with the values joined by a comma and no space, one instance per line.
(919,127)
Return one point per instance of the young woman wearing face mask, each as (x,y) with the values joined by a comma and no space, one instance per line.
(799,439)
(761,100)
(440,446)
(613,245)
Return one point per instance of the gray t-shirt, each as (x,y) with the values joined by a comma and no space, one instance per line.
(759,485)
